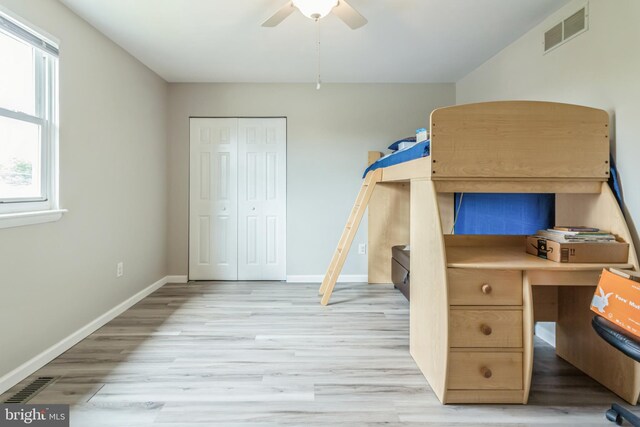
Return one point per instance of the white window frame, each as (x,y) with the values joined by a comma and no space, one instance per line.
(25,211)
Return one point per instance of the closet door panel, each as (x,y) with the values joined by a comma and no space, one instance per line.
(262,199)
(213,202)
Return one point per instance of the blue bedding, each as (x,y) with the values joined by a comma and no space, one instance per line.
(419,150)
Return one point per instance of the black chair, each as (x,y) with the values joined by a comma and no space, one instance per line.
(627,344)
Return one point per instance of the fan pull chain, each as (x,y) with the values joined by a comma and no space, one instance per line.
(318,53)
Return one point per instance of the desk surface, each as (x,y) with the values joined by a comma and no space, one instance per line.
(512,258)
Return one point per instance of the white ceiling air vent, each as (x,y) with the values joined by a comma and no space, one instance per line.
(569,28)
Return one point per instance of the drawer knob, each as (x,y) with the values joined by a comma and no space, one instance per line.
(485,329)
(486,288)
(486,372)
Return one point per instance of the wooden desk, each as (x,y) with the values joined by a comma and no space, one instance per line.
(474,301)
(475,346)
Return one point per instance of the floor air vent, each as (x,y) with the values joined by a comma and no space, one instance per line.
(569,28)
(27,393)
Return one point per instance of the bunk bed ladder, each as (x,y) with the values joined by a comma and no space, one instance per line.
(349,232)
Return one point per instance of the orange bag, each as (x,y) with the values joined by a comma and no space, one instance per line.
(618,300)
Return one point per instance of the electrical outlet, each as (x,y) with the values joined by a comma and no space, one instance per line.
(120,269)
(362,249)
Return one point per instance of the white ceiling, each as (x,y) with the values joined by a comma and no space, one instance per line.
(222,40)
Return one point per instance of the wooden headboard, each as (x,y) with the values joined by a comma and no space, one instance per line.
(520,140)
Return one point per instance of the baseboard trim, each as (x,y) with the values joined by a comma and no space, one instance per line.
(317,278)
(177,279)
(29,367)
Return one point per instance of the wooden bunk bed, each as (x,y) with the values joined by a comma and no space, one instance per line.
(475,346)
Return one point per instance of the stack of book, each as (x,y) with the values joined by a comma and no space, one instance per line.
(576,234)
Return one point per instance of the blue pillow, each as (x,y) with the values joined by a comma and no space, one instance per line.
(395,145)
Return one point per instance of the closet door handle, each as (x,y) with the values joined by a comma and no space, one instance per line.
(253,208)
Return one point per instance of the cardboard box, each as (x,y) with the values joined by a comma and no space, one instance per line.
(618,300)
(613,252)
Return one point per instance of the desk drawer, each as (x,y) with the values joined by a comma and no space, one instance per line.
(484,287)
(485,371)
(485,328)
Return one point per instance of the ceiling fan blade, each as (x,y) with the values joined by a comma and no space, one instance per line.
(349,15)
(280,15)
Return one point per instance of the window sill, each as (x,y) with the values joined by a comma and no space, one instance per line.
(19,219)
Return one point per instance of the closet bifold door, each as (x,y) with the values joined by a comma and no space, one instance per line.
(213,199)
(262,199)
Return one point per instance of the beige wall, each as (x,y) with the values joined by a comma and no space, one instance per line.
(57,277)
(329,134)
(599,68)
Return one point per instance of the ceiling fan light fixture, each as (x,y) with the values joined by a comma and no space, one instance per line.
(315,9)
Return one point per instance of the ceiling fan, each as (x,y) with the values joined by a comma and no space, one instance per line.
(318,9)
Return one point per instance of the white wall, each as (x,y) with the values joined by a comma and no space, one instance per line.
(57,277)
(600,68)
(329,134)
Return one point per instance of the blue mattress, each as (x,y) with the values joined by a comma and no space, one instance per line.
(419,150)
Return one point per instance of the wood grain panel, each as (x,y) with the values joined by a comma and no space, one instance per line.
(545,303)
(578,343)
(469,328)
(446,206)
(597,210)
(484,287)
(520,139)
(486,396)
(413,169)
(512,258)
(565,278)
(527,336)
(373,156)
(429,320)
(485,371)
(514,186)
(388,219)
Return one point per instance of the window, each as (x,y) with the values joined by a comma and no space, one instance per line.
(28,123)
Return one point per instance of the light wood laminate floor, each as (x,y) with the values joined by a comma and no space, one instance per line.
(266,354)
